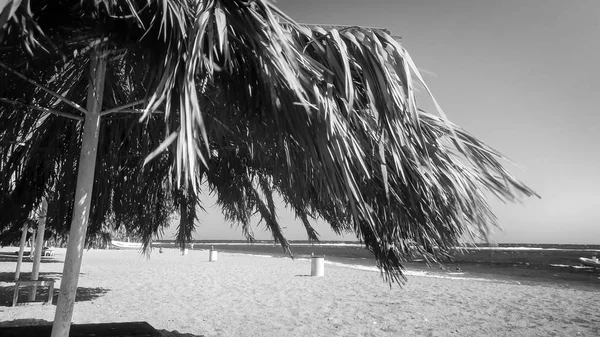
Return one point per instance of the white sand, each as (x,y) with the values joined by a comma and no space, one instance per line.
(244,295)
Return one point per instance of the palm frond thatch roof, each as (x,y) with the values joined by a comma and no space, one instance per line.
(254,105)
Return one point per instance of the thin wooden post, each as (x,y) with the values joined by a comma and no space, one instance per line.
(83,197)
(32,243)
(21,250)
(39,245)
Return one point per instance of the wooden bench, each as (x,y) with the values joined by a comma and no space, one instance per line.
(41,283)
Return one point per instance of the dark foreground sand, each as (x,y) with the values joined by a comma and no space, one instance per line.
(243,295)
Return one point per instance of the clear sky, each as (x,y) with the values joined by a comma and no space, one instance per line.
(521,75)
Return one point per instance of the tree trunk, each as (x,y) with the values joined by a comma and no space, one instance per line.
(39,244)
(21,250)
(83,196)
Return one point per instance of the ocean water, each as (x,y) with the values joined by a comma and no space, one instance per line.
(541,264)
(519,246)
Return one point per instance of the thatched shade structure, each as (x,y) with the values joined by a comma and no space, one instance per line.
(235,96)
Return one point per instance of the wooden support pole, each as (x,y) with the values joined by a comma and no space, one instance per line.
(39,245)
(21,250)
(32,243)
(83,198)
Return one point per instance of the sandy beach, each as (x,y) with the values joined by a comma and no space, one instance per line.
(244,295)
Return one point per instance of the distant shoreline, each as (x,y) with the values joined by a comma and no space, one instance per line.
(499,246)
(551,265)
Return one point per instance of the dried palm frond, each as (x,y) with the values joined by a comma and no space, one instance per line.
(238,95)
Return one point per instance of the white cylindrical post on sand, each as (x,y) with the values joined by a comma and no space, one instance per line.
(212,255)
(317,266)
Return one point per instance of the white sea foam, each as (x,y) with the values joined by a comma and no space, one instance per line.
(421,273)
(582,267)
(244,254)
(349,244)
(571,266)
(528,248)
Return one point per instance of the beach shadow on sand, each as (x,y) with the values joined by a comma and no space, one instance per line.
(7,290)
(26,259)
(27,322)
(31,322)
(24,322)
(10,276)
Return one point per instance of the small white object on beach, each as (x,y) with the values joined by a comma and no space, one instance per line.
(317,266)
(184,251)
(212,255)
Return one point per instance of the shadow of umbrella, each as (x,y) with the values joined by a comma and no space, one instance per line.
(30,327)
(25,322)
(10,276)
(14,257)
(83,294)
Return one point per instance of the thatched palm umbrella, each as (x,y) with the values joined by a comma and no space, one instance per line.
(248,102)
